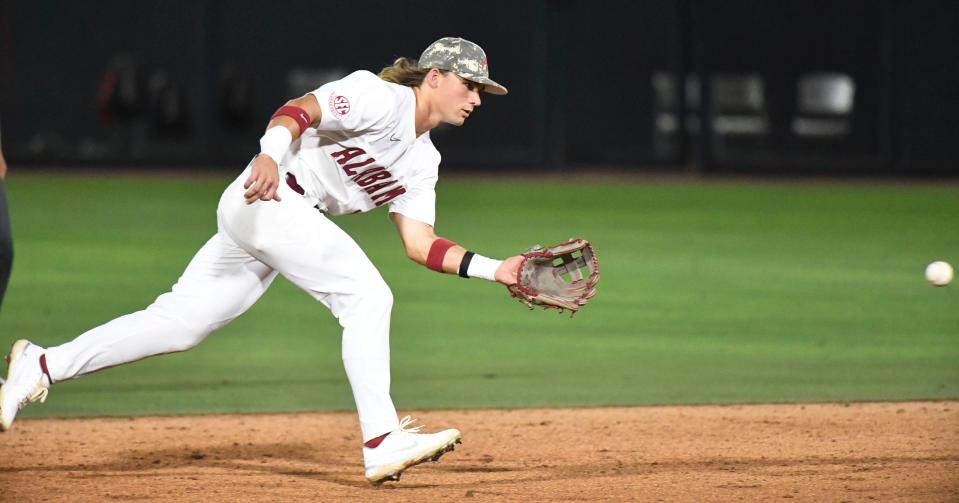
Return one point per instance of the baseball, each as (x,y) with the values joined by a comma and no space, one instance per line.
(939,273)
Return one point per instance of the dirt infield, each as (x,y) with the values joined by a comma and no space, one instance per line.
(856,452)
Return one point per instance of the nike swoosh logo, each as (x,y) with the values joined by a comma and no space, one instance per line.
(394,138)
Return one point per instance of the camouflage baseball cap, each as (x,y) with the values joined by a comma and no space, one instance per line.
(463,58)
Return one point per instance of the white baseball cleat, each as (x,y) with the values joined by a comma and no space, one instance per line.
(25,381)
(405,447)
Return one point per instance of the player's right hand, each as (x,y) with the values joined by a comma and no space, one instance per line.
(263,182)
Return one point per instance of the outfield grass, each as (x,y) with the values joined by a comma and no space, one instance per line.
(711,293)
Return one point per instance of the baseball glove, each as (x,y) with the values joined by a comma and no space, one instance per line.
(561,277)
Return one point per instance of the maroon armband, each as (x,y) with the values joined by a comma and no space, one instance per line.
(296,113)
(437,251)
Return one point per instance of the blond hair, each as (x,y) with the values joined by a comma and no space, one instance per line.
(405,72)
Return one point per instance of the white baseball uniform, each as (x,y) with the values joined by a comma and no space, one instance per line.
(363,154)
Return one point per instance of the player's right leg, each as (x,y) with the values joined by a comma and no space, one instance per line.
(220,283)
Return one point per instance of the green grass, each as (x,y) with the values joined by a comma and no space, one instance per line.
(711,293)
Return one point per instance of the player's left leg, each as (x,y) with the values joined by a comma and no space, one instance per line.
(220,283)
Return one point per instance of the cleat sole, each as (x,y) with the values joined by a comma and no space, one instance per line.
(434,456)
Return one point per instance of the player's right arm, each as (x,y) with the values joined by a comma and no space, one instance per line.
(264,177)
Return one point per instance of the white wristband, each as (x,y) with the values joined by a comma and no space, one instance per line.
(483,267)
(276,142)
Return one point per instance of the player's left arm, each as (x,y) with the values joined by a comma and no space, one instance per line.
(424,247)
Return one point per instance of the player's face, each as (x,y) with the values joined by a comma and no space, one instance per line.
(458,98)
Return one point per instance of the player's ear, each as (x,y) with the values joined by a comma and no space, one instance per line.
(433,78)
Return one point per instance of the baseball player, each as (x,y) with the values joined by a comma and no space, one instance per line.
(352,145)
(6,238)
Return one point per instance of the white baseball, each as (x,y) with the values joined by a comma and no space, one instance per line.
(939,273)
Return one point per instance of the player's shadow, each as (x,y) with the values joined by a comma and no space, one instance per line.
(313,460)
(320,461)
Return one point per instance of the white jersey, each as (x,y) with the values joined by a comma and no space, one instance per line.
(364,153)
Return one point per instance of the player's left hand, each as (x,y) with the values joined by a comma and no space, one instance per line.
(263,182)
(508,271)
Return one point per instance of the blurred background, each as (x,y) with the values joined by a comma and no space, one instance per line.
(863,87)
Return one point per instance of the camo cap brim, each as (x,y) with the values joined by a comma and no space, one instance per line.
(463,58)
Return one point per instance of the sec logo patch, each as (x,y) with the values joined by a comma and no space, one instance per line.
(339,105)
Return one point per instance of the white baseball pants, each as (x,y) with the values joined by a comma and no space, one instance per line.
(232,270)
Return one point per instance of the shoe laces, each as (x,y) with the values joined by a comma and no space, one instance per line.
(406,421)
(40,394)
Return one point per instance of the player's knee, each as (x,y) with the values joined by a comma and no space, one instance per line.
(185,336)
(186,339)
(375,299)
(380,297)
(371,299)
